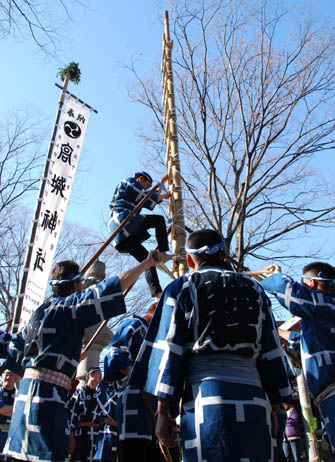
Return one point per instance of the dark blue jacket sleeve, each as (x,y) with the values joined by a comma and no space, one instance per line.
(271,363)
(295,297)
(97,303)
(5,339)
(15,353)
(159,368)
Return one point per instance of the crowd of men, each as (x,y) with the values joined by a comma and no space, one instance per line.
(199,377)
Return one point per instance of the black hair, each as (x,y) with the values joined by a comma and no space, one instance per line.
(326,271)
(320,267)
(93,368)
(145,174)
(61,271)
(209,237)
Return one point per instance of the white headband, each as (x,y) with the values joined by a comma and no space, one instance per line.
(206,249)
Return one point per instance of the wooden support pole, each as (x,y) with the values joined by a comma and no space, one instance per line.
(177,235)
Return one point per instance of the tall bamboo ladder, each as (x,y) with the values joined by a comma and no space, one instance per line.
(177,234)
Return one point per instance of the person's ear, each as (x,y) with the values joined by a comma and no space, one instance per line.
(190,262)
(311,283)
(77,286)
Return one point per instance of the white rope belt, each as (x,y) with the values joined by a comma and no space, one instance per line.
(49,376)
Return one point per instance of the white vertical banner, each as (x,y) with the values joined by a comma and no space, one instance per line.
(62,169)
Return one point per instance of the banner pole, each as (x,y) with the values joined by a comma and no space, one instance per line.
(29,251)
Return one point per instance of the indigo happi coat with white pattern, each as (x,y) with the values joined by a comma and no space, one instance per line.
(317,313)
(206,326)
(126,196)
(52,342)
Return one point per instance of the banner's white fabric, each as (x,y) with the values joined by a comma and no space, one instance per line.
(62,169)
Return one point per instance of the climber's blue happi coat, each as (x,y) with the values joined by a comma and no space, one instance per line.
(126,196)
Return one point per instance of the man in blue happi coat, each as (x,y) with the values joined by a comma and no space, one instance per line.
(134,422)
(213,344)
(86,418)
(107,441)
(49,347)
(7,395)
(313,300)
(129,240)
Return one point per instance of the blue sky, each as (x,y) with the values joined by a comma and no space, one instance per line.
(100,37)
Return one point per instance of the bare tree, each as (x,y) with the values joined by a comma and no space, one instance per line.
(20,157)
(12,250)
(255,96)
(43,21)
(21,138)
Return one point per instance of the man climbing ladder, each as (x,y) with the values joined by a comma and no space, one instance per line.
(129,240)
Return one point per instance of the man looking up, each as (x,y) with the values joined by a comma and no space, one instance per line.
(50,346)
(313,300)
(212,343)
(129,240)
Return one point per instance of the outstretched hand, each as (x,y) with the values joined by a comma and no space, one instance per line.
(154,258)
(164,178)
(164,196)
(129,277)
(271,269)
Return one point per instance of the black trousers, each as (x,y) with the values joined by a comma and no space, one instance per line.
(142,450)
(139,450)
(133,246)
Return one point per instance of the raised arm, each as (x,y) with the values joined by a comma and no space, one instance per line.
(128,278)
(161,194)
(271,364)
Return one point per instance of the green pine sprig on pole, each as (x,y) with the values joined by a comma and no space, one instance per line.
(74,71)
